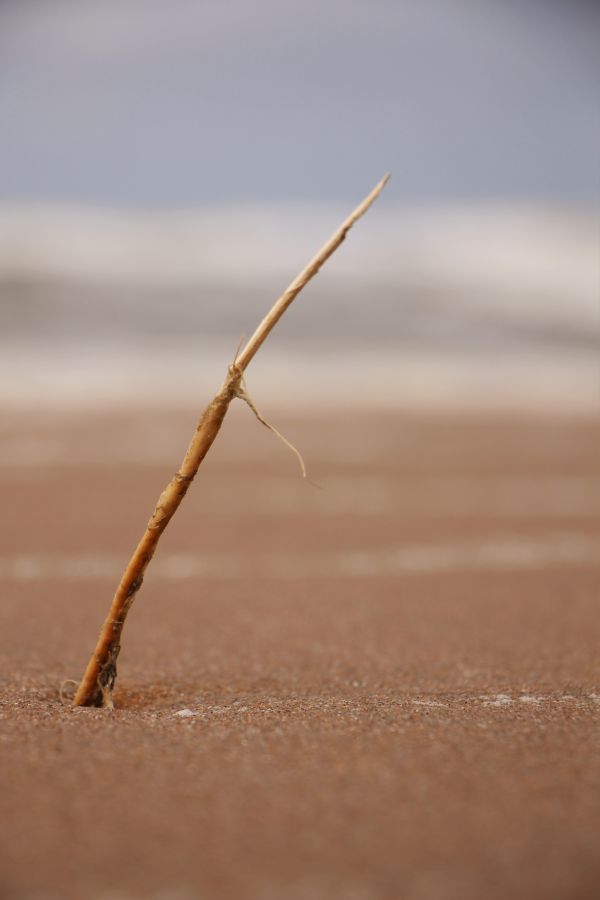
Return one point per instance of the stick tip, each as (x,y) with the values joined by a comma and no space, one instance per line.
(379,187)
(370,198)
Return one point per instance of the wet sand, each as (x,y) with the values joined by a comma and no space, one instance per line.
(386,686)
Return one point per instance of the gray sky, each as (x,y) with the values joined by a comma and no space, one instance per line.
(182,103)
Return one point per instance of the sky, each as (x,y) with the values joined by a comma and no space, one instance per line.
(150,104)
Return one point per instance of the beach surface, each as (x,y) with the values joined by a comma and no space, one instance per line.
(381,683)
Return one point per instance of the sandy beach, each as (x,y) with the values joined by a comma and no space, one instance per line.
(379,682)
(382,686)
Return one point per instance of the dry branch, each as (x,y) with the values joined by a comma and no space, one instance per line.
(97,684)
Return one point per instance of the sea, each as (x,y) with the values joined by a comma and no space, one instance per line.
(489,307)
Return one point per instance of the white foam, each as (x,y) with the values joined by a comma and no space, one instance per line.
(506,553)
(499,700)
(180,374)
(514,259)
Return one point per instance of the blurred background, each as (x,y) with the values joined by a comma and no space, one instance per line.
(165,170)
(389,685)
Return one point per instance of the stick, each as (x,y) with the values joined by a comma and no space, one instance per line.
(98,681)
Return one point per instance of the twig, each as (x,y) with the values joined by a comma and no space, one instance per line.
(245,396)
(96,686)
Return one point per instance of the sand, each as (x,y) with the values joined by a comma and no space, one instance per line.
(386,686)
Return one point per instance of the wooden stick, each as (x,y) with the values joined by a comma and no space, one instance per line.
(98,681)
